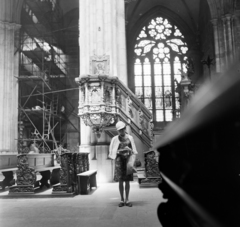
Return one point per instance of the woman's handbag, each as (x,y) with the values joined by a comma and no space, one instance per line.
(130,164)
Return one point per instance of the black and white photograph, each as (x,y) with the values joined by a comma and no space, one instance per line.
(120,113)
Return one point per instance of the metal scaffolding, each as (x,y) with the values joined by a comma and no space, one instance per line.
(43,105)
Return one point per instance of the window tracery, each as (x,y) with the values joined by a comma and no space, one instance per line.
(160,52)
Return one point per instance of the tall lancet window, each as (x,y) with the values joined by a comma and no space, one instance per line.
(160,52)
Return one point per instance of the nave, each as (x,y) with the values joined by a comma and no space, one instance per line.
(98,209)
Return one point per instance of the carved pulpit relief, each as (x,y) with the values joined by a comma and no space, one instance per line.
(108,98)
(82,95)
(118,97)
(140,117)
(99,65)
(143,122)
(151,131)
(95,95)
(108,95)
(130,106)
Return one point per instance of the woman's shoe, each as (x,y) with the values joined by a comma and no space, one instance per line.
(128,204)
(121,204)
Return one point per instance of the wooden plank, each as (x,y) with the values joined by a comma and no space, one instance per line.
(40,162)
(47,168)
(8,169)
(141,175)
(8,161)
(86,181)
(87,173)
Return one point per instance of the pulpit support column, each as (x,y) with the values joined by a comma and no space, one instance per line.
(102,52)
(8,87)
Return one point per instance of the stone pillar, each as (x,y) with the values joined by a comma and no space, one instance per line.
(216,42)
(9,63)
(85,137)
(102,33)
(229,36)
(225,39)
(236,31)
(233,36)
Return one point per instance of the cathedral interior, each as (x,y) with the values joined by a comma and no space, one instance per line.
(71,69)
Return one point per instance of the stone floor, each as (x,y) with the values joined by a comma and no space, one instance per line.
(98,209)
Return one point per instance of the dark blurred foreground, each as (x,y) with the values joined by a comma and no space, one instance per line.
(200,158)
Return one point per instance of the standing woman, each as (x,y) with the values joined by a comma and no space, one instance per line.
(123,149)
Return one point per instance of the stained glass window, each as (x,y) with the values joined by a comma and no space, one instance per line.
(160,52)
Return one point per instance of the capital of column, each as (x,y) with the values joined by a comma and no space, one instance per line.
(224,19)
(214,22)
(228,17)
(9,26)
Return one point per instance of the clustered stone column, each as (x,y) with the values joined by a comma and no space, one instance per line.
(226,39)
(102,33)
(229,31)
(236,33)
(216,43)
(9,63)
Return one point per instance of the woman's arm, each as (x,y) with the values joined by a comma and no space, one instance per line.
(134,149)
(113,148)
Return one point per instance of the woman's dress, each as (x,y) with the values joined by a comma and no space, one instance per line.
(121,162)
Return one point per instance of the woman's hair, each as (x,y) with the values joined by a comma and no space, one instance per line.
(122,129)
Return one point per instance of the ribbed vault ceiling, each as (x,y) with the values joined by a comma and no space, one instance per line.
(187,10)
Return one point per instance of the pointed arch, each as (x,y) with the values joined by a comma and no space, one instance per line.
(160,51)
